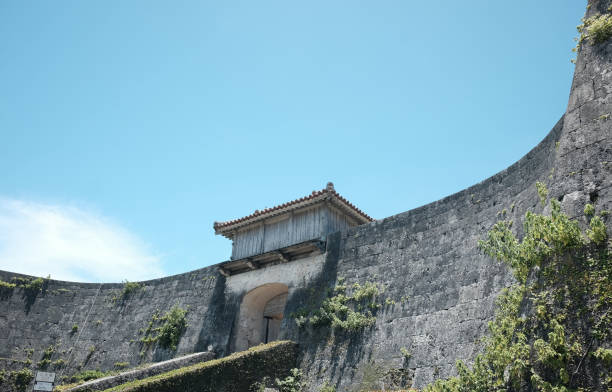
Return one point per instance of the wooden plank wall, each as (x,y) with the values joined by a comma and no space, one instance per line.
(248,242)
(307,225)
(338,221)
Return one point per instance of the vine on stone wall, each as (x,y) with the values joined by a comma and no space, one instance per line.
(551,330)
(169,333)
(596,30)
(129,289)
(345,308)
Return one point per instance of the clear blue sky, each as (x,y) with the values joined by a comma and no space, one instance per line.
(158,118)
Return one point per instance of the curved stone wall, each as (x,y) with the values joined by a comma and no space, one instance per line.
(443,288)
(429,257)
(91,330)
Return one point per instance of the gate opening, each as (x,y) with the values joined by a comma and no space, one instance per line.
(261,314)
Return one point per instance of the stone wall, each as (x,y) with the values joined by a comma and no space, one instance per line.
(429,255)
(442,287)
(109,328)
(111,381)
(427,258)
(108,331)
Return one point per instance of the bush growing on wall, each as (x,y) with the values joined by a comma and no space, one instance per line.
(344,309)
(17,380)
(551,330)
(129,288)
(174,324)
(596,30)
(6,289)
(291,383)
(169,333)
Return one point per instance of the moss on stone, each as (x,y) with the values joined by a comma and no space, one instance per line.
(236,372)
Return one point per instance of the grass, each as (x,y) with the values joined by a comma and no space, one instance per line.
(173,373)
(193,368)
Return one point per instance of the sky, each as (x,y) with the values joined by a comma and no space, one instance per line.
(128,127)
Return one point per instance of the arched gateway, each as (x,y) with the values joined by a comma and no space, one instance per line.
(261,312)
(265,240)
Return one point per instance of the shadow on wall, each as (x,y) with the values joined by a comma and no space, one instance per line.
(323,342)
(218,321)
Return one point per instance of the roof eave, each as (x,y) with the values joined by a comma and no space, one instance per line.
(228,229)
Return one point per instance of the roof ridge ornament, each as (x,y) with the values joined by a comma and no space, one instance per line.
(330,187)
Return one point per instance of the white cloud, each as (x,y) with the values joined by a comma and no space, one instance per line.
(69,243)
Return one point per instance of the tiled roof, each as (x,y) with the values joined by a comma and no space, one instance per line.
(326,193)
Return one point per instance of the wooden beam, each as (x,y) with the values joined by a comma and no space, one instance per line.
(224,272)
(251,264)
(282,256)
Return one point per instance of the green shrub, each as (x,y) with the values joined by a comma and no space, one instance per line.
(599,28)
(604,354)
(589,210)
(46,357)
(43,363)
(121,365)
(28,284)
(35,285)
(31,288)
(22,378)
(169,333)
(546,324)
(129,288)
(345,311)
(174,324)
(6,289)
(236,372)
(542,192)
(327,387)
(87,375)
(58,363)
(7,285)
(48,352)
(291,383)
(90,353)
(597,232)
(75,329)
(261,385)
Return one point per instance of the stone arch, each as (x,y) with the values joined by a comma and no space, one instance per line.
(261,312)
